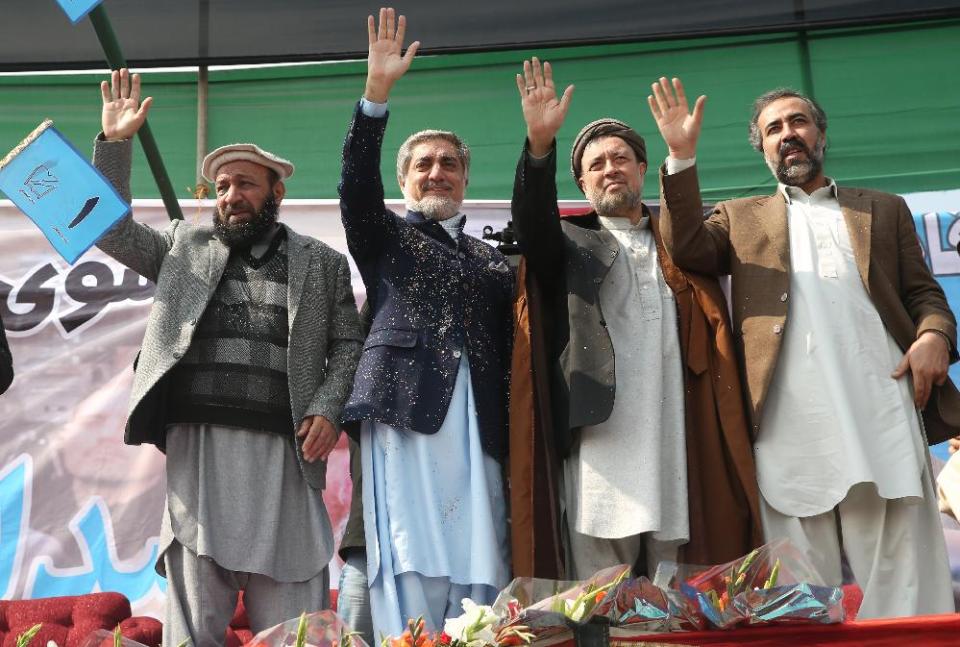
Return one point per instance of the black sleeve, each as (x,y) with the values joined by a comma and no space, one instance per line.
(536,217)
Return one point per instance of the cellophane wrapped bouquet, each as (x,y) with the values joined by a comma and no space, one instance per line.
(477,626)
(545,608)
(773,583)
(639,604)
(319,629)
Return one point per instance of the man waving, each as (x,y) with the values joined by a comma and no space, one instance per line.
(430,393)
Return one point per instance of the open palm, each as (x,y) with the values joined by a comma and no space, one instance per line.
(123,114)
(679,127)
(543,112)
(385,59)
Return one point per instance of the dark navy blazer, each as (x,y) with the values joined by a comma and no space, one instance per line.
(430,297)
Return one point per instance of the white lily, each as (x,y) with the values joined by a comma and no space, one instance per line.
(474,627)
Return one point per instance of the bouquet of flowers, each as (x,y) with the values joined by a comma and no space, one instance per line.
(797,603)
(639,604)
(318,629)
(549,607)
(477,626)
(772,583)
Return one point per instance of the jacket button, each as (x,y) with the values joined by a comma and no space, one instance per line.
(456,354)
(603,322)
(597,280)
(461,255)
(465,285)
(777,329)
(783,297)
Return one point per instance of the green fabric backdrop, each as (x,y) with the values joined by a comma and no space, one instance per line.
(892,95)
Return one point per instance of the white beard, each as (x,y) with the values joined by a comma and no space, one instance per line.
(434,207)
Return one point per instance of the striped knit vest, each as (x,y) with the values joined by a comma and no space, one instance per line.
(235,371)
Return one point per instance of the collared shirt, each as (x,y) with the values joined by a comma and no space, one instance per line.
(454,225)
(635,461)
(834,417)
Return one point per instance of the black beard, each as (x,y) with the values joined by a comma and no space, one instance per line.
(246,233)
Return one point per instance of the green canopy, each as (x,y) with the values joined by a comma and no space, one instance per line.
(892,95)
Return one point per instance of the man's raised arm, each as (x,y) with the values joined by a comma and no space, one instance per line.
(135,245)
(361,187)
(693,244)
(385,63)
(534,204)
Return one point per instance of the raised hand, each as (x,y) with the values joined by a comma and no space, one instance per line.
(542,111)
(123,113)
(385,64)
(679,128)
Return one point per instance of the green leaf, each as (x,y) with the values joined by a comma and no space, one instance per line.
(24,639)
(302,631)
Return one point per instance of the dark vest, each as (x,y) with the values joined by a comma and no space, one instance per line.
(235,371)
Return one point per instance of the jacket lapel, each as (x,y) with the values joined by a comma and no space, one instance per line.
(604,246)
(772,220)
(298,262)
(858,214)
(217,259)
(672,275)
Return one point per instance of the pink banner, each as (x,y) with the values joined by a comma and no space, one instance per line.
(79,510)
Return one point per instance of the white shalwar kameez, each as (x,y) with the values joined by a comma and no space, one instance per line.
(626,478)
(840,441)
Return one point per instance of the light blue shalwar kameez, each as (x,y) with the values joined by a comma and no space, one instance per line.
(434,518)
(434,514)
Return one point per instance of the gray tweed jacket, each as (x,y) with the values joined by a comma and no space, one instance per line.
(186,262)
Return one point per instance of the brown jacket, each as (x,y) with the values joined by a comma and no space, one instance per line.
(747,238)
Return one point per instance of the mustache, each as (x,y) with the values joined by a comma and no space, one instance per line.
(431,184)
(231,209)
(794,145)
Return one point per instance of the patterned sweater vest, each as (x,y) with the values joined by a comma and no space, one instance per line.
(235,371)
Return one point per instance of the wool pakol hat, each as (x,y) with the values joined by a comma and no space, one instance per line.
(247,152)
(605,127)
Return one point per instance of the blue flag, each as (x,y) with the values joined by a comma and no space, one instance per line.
(60,191)
(77,9)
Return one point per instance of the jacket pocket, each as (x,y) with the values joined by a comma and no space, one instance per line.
(391,337)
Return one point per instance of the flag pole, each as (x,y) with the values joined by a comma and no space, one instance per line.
(111,47)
